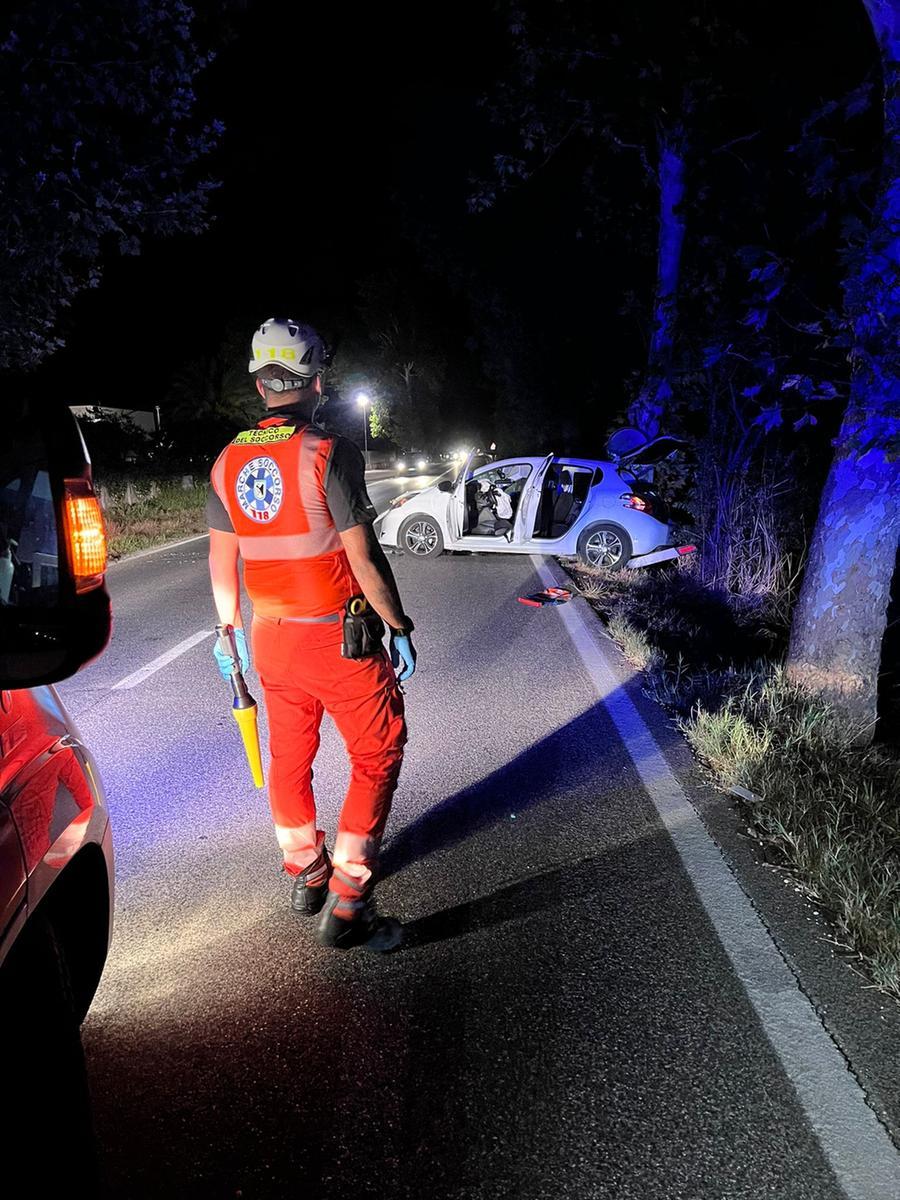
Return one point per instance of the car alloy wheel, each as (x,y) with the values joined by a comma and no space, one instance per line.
(420,538)
(604,549)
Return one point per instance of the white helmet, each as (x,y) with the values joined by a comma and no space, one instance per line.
(290,344)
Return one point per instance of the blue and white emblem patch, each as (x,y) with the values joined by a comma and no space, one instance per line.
(260,490)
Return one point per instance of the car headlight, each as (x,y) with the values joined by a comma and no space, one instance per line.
(401,466)
(395,503)
(421,464)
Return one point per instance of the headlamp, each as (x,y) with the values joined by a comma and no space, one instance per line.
(286,385)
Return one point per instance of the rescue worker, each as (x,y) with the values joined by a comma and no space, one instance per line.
(291,502)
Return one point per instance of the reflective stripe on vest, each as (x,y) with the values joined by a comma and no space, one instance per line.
(275,497)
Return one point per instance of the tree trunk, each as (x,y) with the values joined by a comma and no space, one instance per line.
(650,409)
(841,612)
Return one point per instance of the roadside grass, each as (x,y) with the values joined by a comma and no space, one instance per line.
(633,643)
(825,811)
(149,515)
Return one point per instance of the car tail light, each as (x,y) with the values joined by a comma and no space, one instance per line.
(85,535)
(639,503)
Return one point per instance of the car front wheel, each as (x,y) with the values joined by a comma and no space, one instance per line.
(605,545)
(421,537)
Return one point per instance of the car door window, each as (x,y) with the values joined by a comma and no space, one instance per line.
(29,540)
(493,497)
(563,498)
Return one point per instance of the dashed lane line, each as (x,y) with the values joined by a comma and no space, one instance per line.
(858,1149)
(131,681)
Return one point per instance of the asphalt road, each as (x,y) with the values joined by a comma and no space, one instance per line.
(586,1005)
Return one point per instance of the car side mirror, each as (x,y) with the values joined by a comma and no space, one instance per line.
(54,607)
(445,486)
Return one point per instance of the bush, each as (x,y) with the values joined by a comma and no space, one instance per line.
(826,810)
(151,512)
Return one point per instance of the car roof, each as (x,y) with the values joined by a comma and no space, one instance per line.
(568,459)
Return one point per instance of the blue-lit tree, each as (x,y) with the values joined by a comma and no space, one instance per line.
(630,82)
(98,142)
(841,612)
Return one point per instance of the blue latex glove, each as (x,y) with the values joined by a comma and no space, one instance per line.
(223,660)
(403,651)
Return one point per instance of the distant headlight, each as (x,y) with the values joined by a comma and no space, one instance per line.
(401,466)
(421,464)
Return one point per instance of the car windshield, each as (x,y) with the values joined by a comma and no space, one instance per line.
(502,476)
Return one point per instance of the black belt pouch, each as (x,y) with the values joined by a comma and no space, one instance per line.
(363,630)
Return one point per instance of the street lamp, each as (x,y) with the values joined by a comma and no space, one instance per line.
(362,399)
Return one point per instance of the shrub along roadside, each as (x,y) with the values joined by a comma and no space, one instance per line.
(150,513)
(824,810)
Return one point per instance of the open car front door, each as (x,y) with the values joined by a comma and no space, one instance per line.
(456,502)
(523,527)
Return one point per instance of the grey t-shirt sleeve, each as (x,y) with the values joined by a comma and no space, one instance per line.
(216,514)
(345,487)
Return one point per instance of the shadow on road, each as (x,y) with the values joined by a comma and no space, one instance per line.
(513,903)
(535,776)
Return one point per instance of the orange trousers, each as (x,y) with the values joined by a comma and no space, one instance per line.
(303,676)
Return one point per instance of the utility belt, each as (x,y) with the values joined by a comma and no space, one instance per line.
(363,629)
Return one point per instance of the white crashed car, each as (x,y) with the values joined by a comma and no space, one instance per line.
(597,509)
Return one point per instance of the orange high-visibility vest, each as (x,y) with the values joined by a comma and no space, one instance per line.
(271,481)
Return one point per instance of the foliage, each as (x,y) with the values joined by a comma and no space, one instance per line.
(753,331)
(681,615)
(837,638)
(826,811)
(140,515)
(99,142)
(633,644)
(399,361)
(210,397)
(114,440)
(629,86)
(587,87)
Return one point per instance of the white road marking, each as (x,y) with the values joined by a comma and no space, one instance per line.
(151,668)
(858,1148)
(120,562)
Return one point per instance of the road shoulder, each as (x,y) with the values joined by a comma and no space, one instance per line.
(862,1023)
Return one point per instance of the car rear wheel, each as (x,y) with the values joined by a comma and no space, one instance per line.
(421,537)
(605,545)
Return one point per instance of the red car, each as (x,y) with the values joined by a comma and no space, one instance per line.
(56,861)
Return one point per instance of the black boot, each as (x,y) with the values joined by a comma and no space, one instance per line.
(362,926)
(308,898)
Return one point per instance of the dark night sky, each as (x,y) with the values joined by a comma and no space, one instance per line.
(329,110)
(344,122)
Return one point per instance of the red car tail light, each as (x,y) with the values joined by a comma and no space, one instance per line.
(639,503)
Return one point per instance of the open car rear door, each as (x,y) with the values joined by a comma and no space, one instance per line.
(523,527)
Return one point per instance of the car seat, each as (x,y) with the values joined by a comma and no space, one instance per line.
(544,519)
(563,504)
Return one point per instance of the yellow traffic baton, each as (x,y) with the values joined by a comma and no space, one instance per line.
(243,706)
